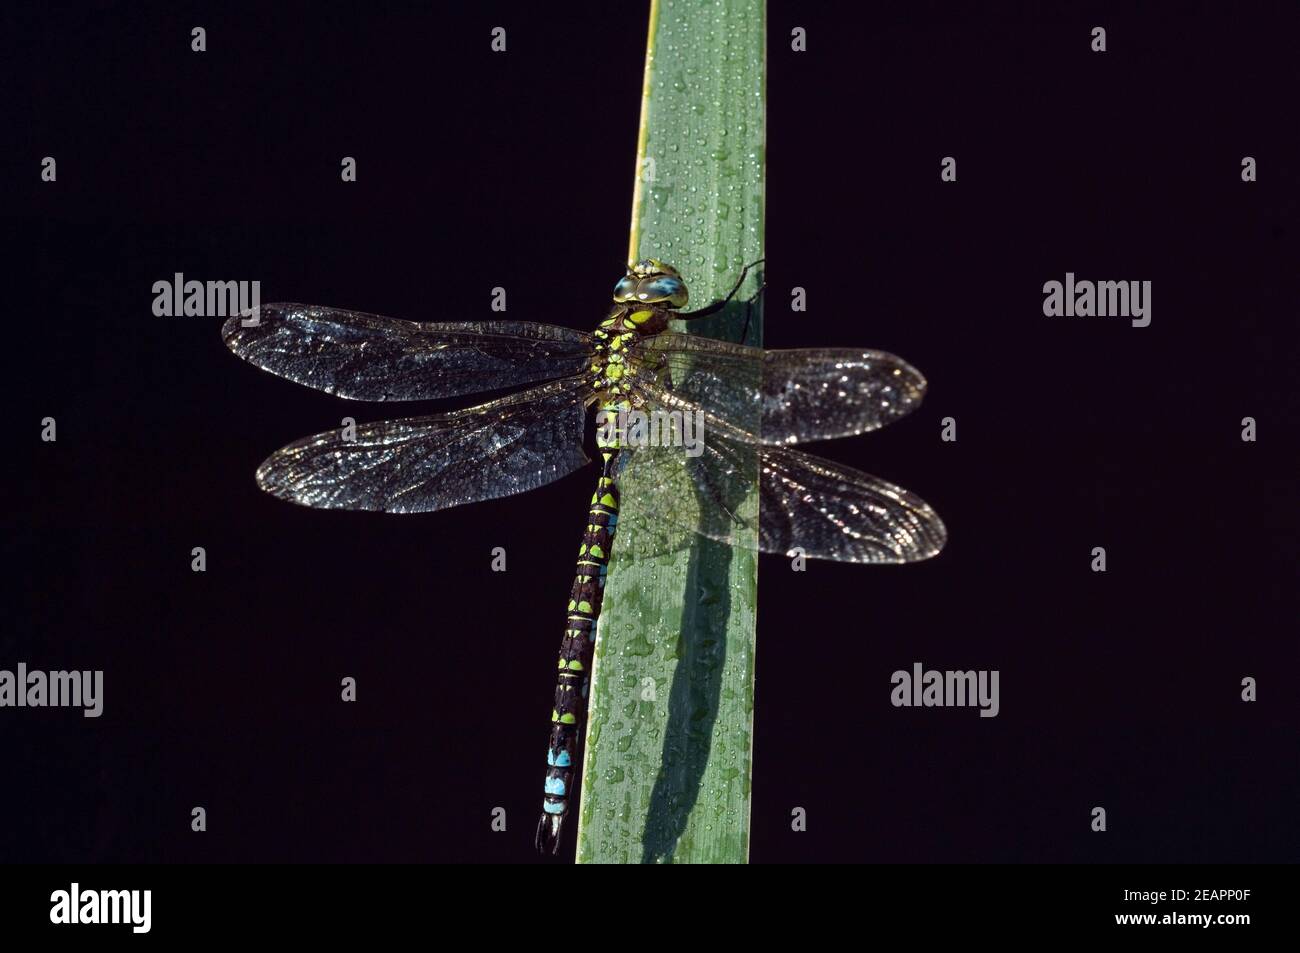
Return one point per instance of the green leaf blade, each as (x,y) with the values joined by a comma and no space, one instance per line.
(666,777)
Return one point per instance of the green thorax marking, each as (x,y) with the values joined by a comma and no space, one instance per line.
(623,325)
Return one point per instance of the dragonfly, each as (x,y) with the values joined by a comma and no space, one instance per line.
(750,405)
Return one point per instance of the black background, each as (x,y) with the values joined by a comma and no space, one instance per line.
(476,170)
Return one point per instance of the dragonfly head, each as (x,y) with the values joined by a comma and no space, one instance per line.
(649,281)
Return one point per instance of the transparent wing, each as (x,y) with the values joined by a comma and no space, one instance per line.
(421,464)
(370,357)
(827,510)
(835,512)
(781,397)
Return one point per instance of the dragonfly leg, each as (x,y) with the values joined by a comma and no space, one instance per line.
(719,305)
(749,310)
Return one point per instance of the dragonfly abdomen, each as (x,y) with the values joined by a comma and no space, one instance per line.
(563,753)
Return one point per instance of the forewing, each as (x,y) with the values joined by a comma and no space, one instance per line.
(783,397)
(369,357)
(421,464)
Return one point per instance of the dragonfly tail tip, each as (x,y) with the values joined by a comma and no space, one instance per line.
(547,840)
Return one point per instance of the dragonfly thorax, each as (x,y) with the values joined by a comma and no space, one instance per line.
(611,372)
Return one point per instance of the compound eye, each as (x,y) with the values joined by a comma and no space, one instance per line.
(625,288)
(661,289)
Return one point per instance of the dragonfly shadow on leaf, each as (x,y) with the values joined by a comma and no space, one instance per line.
(720,503)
